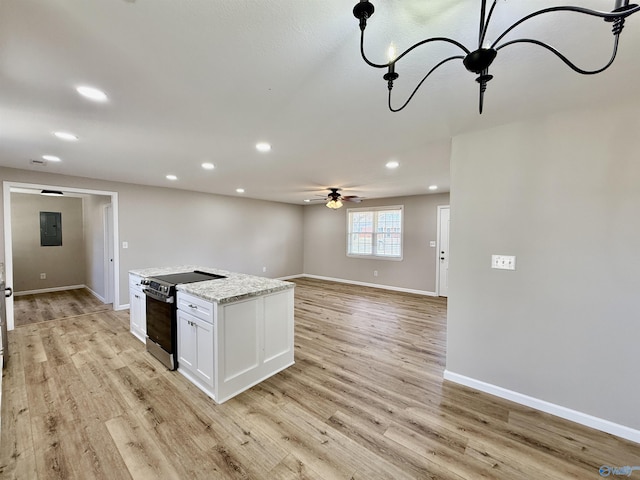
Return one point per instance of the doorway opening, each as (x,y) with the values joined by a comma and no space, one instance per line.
(107,264)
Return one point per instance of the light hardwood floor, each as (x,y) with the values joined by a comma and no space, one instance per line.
(365,400)
(55,305)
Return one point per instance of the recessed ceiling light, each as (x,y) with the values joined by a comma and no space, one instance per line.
(66,136)
(392,164)
(306,200)
(208,166)
(92,93)
(433,187)
(171,177)
(240,190)
(263,147)
(51,158)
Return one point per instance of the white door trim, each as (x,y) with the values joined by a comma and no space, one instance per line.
(8,248)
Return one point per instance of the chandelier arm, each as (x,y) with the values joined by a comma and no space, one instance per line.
(456,57)
(565,59)
(483,9)
(434,39)
(483,28)
(428,40)
(586,11)
(364,57)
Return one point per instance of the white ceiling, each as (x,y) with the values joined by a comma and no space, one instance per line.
(191,81)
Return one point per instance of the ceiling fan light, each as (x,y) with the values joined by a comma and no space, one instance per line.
(334,204)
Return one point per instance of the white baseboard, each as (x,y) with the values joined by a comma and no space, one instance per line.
(95,294)
(544,406)
(47,290)
(289,277)
(366,284)
(70,287)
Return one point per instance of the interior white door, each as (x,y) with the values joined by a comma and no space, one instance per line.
(443,251)
(108,253)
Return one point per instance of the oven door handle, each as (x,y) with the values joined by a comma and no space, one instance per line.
(155,296)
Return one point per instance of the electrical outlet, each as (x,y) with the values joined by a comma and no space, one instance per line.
(43,276)
(503,262)
(375,273)
(264,269)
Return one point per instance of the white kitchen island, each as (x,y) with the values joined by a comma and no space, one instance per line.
(233,332)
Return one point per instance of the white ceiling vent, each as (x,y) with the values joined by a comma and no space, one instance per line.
(38,163)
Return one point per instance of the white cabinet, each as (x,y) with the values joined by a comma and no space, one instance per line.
(195,350)
(137,308)
(227,348)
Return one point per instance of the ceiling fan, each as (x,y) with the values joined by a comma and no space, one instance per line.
(335,199)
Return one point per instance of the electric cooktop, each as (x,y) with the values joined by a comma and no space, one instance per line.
(187,277)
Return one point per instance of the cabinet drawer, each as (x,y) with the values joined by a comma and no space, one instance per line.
(196,306)
(134,282)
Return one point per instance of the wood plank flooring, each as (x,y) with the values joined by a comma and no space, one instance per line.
(35,308)
(365,400)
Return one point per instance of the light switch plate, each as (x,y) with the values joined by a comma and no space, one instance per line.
(503,262)
(432,243)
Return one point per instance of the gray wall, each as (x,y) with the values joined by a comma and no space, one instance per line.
(63,265)
(325,237)
(173,227)
(562,194)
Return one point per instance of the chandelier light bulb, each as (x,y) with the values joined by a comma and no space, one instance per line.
(391,53)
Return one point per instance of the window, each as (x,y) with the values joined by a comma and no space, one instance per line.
(375,232)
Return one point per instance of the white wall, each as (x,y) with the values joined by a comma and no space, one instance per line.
(325,240)
(561,193)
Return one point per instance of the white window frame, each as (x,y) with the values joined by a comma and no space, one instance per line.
(373,254)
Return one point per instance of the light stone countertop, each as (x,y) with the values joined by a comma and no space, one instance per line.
(236,286)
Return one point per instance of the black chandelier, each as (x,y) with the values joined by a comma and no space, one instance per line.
(479,60)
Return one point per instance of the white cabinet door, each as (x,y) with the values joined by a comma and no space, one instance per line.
(187,331)
(138,313)
(195,348)
(204,351)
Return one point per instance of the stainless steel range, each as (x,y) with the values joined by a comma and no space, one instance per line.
(160,294)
